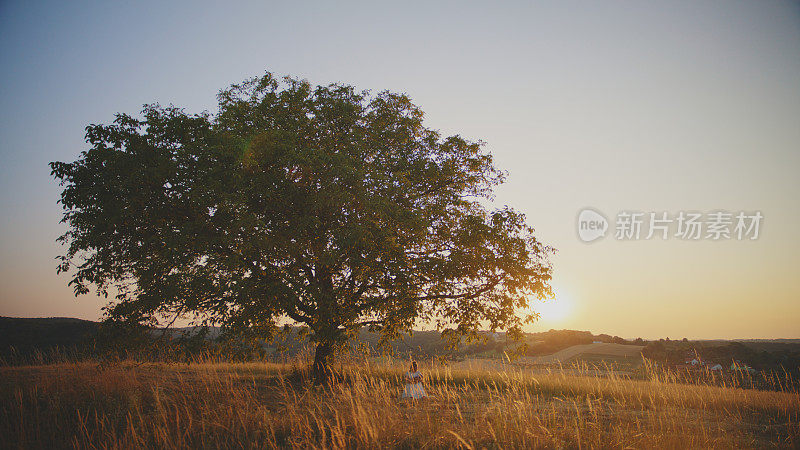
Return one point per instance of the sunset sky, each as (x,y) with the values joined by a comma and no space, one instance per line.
(618,106)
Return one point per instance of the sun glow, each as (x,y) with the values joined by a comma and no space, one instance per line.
(555,309)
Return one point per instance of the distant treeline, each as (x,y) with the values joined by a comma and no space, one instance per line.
(26,341)
(552,341)
(39,340)
(760,355)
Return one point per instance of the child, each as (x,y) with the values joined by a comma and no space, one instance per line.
(414,387)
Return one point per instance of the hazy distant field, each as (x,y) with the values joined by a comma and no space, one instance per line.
(270,405)
(596,349)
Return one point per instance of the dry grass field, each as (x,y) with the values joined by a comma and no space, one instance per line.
(268,405)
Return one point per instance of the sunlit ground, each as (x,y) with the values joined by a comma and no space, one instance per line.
(135,404)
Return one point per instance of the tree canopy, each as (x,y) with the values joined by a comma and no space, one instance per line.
(323,205)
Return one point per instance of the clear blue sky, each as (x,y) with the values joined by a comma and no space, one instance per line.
(650,106)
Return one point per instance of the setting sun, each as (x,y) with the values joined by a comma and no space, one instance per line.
(556,309)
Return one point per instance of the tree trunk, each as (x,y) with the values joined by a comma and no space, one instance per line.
(322,362)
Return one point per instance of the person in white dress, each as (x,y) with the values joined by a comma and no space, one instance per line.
(414,388)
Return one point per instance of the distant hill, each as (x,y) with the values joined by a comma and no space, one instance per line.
(600,354)
(25,336)
(595,349)
(44,333)
(762,354)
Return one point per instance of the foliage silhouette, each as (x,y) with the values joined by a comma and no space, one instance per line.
(323,205)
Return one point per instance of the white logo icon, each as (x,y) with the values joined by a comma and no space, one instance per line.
(591,225)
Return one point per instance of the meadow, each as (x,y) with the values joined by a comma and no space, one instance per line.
(208,404)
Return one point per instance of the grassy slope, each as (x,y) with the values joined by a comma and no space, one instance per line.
(612,351)
(268,405)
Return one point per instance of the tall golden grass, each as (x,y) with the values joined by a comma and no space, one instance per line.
(267,405)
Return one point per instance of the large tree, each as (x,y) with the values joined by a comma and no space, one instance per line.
(323,205)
